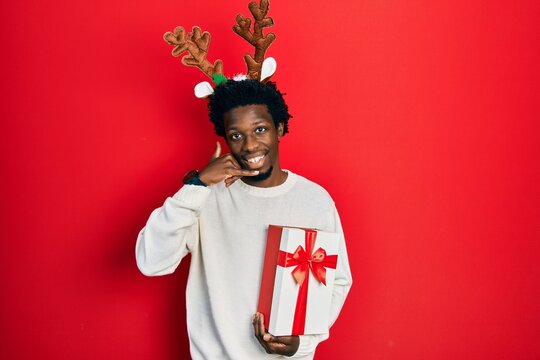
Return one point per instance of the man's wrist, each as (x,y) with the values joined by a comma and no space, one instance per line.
(192,178)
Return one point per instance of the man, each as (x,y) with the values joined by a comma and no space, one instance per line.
(221,216)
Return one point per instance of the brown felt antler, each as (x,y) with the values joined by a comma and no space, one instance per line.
(257,39)
(196,45)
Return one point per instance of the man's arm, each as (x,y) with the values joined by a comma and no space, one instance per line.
(173,230)
(343,276)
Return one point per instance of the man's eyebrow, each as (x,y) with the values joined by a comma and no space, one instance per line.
(259,121)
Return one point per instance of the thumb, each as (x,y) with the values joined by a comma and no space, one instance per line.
(217,152)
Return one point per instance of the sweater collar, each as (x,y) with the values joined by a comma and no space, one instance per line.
(269,191)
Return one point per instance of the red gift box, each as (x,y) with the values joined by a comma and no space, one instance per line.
(297,281)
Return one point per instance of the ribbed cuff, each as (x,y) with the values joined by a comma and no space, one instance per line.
(192,196)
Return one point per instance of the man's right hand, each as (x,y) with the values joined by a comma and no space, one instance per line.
(223,168)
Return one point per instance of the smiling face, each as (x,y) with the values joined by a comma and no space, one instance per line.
(253,140)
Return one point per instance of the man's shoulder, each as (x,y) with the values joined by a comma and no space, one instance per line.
(312,189)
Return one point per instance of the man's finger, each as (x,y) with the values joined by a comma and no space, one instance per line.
(228,158)
(262,331)
(242,172)
(258,336)
(287,340)
(217,152)
(276,347)
(255,322)
(229,181)
(232,159)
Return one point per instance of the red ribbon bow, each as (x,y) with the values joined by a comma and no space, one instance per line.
(317,263)
(306,260)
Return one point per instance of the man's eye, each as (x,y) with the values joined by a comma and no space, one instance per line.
(260,129)
(235,136)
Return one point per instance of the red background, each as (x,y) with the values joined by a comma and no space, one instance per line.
(420,118)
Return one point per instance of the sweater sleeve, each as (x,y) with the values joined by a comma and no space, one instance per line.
(171,231)
(342,285)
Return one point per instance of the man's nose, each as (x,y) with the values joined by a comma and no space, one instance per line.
(250,144)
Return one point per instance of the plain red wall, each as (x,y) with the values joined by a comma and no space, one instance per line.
(420,117)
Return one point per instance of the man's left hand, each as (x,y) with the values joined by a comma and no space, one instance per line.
(281,345)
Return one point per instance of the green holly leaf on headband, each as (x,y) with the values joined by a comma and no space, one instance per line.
(218,79)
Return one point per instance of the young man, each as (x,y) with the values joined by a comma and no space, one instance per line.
(221,216)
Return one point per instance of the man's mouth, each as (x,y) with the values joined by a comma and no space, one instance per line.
(255,161)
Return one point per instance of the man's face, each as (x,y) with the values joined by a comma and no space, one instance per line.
(253,138)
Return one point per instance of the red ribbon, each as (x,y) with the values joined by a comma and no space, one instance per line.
(306,260)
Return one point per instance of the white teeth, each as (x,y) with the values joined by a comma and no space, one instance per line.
(256,159)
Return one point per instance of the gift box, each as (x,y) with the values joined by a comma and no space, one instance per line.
(298,280)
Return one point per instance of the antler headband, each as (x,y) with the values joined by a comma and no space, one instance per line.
(196,44)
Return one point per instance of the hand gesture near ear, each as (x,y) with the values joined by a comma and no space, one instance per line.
(223,168)
(282,345)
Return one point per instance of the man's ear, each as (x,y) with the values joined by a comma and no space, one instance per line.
(280,130)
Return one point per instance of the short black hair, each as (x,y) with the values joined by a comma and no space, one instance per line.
(232,94)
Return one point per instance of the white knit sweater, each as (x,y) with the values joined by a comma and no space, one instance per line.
(224,229)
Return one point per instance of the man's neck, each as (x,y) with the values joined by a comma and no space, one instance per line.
(277,177)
